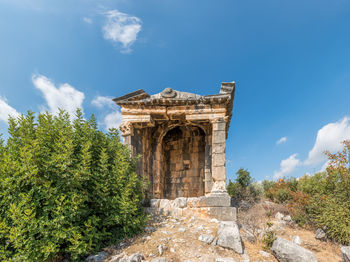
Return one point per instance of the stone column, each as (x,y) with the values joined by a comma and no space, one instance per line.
(218,156)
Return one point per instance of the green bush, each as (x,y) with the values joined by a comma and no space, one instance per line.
(66,189)
(244,188)
(315,184)
(233,189)
(268,239)
(319,200)
(267,185)
(282,195)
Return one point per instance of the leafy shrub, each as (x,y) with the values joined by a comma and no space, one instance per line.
(267,185)
(282,195)
(269,238)
(280,191)
(321,200)
(66,189)
(233,189)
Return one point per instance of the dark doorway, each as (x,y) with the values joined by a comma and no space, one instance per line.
(183,162)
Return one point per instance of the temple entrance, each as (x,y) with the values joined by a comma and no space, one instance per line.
(183,162)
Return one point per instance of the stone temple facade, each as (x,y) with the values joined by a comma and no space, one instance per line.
(181,140)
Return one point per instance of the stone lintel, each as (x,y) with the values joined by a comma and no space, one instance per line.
(137,118)
(202,116)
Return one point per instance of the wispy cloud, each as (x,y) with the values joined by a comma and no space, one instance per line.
(281,140)
(62,97)
(102,101)
(112,115)
(87,20)
(6,110)
(122,29)
(329,137)
(287,166)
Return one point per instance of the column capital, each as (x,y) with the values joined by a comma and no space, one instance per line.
(219,119)
(127,129)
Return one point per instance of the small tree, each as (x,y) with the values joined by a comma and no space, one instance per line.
(243,188)
(243,178)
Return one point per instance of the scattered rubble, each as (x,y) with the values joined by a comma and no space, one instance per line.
(320,234)
(197,237)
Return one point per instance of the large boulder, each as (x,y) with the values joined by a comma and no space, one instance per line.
(287,251)
(345,253)
(229,236)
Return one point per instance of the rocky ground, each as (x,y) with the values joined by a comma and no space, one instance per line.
(193,238)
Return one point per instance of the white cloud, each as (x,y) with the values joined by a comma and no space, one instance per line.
(329,137)
(113,120)
(281,140)
(101,101)
(113,117)
(87,20)
(6,110)
(287,166)
(121,28)
(63,97)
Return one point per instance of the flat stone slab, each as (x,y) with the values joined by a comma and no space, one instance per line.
(215,200)
(223,213)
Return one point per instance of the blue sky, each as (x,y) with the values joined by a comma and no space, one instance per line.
(290,61)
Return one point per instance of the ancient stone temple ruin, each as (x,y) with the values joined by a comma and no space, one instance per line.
(180,138)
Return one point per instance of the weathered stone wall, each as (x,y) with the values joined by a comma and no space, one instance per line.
(183,162)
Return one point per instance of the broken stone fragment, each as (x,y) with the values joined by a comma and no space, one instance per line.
(287,251)
(159,259)
(320,234)
(225,259)
(279,216)
(229,236)
(181,230)
(264,254)
(345,253)
(297,240)
(161,249)
(99,257)
(206,238)
(137,257)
